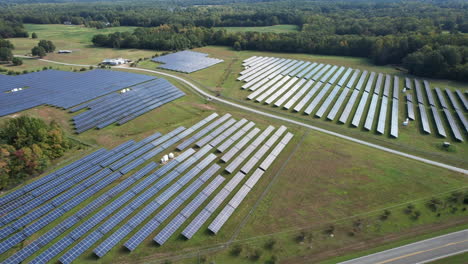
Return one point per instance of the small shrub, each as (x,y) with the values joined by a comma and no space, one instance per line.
(330,230)
(256,255)
(270,244)
(434,204)
(385,215)
(83,69)
(236,250)
(409,209)
(416,215)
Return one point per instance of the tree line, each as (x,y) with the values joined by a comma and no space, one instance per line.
(363,17)
(27,147)
(434,55)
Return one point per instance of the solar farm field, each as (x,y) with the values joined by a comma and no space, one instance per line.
(224,144)
(411,138)
(188,111)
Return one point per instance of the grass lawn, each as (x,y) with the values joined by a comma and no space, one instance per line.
(77,39)
(270,29)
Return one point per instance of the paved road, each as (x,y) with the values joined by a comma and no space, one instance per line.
(420,252)
(246,108)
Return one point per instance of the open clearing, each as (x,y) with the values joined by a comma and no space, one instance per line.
(78,40)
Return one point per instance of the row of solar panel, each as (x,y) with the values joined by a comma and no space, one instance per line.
(147,140)
(151,225)
(439,125)
(68,205)
(127,106)
(186,61)
(268,87)
(321,74)
(62,89)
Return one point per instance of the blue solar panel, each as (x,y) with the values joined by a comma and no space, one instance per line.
(186,61)
(62,89)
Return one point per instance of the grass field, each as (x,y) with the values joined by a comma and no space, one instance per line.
(77,39)
(317,181)
(268,29)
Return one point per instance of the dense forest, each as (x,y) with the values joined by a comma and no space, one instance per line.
(27,146)
(429,38)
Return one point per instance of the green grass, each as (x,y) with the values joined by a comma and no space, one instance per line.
(77,39)
(267,29)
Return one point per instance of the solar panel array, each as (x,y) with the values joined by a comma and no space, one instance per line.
(123,107)
(134,198)
(60,88)
(350,96)
(186,61)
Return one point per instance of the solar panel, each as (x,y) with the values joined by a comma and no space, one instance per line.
(386,90)
(408,84)
(219,221)
(370,82)
(226,157)
(394,119)
(336,75)
(357,116)
(290,92)
(361,81)
(306,70)
(424,120)
(62,89)
(418,89)
(382,115)
(439,126)
(336,107)
(299,94)
(186,61)
(410,108)
(196,223)
(266,93)
(452,99)
(308,96)
(258,173)
(453,126)
(430,98)
(281,91)
(462,99)
(345,77)
(168,230)
(349,106)
(317,99)
(378,84)
(328,101)
(441,98)
(371,113)
(462,119)
(396,87)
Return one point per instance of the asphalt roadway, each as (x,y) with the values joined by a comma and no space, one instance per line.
(420,252)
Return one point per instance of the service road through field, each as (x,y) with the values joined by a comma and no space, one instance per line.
(420,252)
